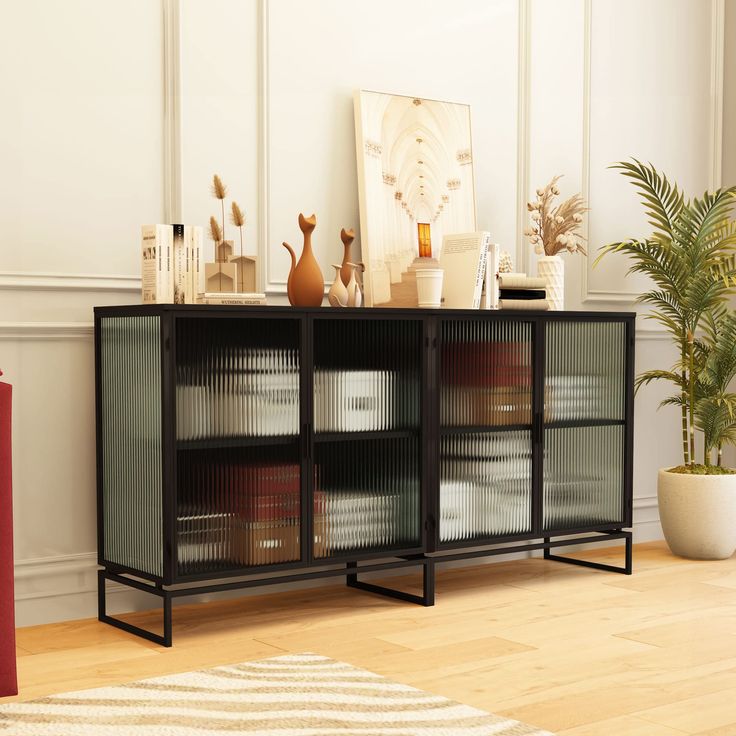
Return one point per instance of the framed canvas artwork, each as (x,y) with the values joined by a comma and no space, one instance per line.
(415,181)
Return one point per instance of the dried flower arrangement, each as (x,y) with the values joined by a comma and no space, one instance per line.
(554,230)
(225,272)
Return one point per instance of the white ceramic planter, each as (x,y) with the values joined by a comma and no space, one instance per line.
(698,514)
(552,269)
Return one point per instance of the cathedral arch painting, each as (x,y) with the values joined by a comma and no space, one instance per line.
(415,178)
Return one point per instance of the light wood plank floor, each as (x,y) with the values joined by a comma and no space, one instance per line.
(577,651)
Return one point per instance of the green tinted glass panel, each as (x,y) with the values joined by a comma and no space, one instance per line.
(131,442)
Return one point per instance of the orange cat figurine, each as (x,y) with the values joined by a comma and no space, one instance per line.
(305,286)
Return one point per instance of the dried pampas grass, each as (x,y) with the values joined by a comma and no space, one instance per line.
(556,229)
(215,230)
(237,217)
(219,190)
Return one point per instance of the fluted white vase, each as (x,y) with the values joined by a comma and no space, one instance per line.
(338,293)
(552,270)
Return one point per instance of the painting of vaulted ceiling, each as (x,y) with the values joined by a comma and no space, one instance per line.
(415,167)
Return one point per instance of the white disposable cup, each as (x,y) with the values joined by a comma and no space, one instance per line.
(429,287)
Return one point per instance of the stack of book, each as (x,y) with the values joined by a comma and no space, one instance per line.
(519,291)
(172,264)
(486,383)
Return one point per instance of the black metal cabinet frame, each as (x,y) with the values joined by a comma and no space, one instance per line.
(153,359)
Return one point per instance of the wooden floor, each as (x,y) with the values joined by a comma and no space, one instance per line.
(576,651)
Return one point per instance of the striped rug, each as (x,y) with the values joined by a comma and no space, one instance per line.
(292,695)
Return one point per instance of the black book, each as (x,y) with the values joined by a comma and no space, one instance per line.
(522,294)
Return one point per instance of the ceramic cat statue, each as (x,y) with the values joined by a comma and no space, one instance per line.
(305,286)
(347,237)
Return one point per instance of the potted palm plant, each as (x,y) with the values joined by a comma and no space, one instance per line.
(690,259)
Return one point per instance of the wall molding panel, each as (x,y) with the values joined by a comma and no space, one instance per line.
(717,77)
(45,331)
(717,62)
(38,281)
(523,143)
(172,111)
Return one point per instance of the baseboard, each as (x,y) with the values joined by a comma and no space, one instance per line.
(64,588)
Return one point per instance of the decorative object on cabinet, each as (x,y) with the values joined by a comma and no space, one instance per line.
(415,182)
(355,295)
(429,287)
(505,262)
(347,237)
(221,276)
(8,679)
(305,285)
(690,258)
(555,229)
(418,437)
(337,296)
(246,264)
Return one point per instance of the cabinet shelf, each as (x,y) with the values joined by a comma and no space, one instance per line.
(571,423)
(387,434)
(483,429)
(212,443)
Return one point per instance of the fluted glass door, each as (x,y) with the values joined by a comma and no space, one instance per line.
(238,467)
(367,456)
(584,430)
(485,430)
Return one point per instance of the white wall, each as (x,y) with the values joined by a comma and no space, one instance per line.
(93,141)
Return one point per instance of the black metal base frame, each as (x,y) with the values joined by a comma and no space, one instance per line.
(351,572)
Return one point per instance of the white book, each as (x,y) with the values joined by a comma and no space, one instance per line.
(490,287)
(194,236)
(463,260)
(167,267)
(181,276)
(156,259)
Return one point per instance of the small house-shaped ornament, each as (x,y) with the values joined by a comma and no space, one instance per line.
(221,276)
(246,273)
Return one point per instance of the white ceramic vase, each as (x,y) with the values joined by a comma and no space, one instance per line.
(355,295)
(552,270)
(698,514)
(337,296)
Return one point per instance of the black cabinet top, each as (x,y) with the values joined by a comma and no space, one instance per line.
(200,310)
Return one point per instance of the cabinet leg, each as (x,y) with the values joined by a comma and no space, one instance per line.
(352,577)
(627,569)
(426,599)
(166,640)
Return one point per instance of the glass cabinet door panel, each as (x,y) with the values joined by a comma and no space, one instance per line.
(367,496)
(132,472)
(584,371)
(486,373)
(485,429)
(237,378)
(485,485)
(366,375)
(238,507)
(583,476)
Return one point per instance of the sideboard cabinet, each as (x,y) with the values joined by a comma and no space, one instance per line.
(247,446)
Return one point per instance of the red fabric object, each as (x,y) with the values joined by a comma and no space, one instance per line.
(8,679)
